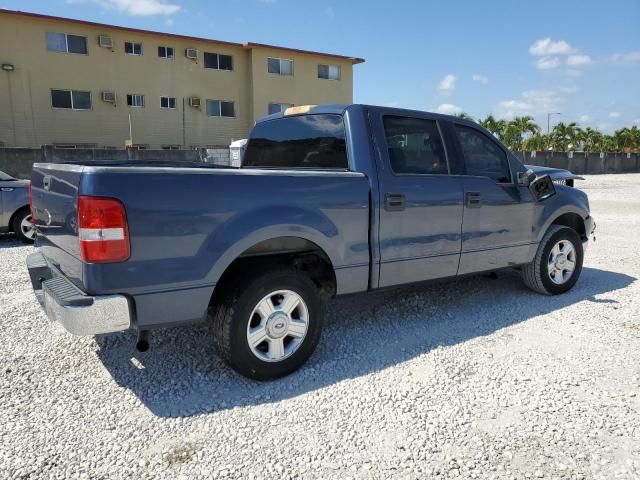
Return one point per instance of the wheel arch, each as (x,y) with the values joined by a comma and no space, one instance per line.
(572,220)
(15,214)
(297,251)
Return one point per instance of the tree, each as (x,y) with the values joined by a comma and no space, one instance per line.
(565,136)
(536,143)
(466,116)
(592,140)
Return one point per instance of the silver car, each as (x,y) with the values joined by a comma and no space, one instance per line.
(15,215)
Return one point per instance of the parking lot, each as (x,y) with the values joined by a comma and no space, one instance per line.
(478,378)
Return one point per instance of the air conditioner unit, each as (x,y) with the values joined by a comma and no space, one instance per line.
(194,102)
(109,97)
(105,41)
(191,53)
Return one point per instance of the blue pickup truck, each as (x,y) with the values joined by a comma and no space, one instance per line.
(330,200)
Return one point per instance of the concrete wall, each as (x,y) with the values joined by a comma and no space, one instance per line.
(582,163)
(18,162)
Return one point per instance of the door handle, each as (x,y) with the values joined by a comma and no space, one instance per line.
(393,202)
(473,200)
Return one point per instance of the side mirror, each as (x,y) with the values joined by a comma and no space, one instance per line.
(542,188)
(526,178)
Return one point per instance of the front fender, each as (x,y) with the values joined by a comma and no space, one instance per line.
(566,200)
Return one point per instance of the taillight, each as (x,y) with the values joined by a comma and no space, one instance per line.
(102,229)
(33,217)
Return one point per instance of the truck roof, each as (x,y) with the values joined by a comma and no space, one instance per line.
(340,108)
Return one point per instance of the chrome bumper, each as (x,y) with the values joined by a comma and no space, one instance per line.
(78,313)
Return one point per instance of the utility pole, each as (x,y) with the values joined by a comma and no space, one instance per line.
(549,128)
(548,120)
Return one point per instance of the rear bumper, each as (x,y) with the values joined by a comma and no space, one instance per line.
(77,312)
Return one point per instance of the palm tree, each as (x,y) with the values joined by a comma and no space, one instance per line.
(536,143)
(496,127)
(521,126)
(466,116)
(592,140)
(565,136)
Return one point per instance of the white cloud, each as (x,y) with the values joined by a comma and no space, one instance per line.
(449,109)
(578,60)
(140,8)
(568,88)
(614,114)
(585,119)
(392,104)
(629,57)
(448,84)
(547,63)
(483,79)
(546,46)
(530,102)
(637,121)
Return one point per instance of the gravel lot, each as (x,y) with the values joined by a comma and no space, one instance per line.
(480,378)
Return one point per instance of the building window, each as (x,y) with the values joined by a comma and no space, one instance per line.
(71,99)
(220,108)
(167,102)
(171,147)
(280,66)
(329,72)
(139,146)
(278,107)
(165,52)
(217,61)
(61,42)
(132,48)
(135,100)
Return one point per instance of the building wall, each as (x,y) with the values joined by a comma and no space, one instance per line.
(28,119)
(303,87)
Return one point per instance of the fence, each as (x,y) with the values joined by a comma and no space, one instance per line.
(582,163)
(19,161)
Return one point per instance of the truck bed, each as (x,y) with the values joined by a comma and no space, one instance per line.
(187,224)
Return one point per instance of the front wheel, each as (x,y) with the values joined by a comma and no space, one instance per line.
(557,264)
(268,326)
(23,226)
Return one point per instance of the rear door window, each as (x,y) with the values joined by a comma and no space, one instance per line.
(415,146)
(482,156)
(306,141)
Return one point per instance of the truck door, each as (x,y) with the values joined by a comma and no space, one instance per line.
(498,214)
(420,202)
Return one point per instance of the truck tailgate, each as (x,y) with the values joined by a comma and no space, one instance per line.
(54,200)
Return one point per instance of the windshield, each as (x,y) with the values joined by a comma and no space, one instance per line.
(4,177)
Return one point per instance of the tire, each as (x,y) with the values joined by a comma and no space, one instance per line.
(243,312)
(536,275)
(24,234)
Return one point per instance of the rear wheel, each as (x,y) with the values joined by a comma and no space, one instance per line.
(23,226)
(266,327)
(557,264)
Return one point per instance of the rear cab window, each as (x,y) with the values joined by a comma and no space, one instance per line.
(415,146)
(314,141)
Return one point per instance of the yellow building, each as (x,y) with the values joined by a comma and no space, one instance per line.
(74,83)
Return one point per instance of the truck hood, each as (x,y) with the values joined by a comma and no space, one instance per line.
(554,173)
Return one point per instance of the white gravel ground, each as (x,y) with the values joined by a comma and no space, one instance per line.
(480,378)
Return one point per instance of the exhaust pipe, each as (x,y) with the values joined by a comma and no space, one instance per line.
(142,344)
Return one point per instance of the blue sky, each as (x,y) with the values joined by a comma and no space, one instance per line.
(581,58)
